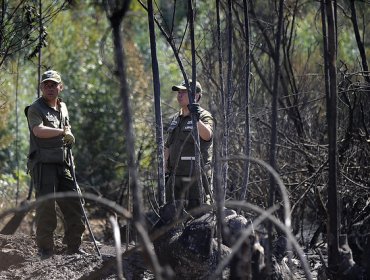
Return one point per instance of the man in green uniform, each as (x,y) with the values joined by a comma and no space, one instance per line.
(50,133)
(180,149)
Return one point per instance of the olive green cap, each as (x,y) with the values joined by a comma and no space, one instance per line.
(183,86)
(51,75)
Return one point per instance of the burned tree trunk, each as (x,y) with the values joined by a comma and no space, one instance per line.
(115,13)
(247,134)
(274,117)
(330,52)
(157,104)
(191,95)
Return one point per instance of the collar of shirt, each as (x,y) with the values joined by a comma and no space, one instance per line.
(184,114)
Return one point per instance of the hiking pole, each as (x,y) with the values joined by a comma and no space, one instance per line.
(72,168)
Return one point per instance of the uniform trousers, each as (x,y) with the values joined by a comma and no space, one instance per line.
(51,178)
(186,189)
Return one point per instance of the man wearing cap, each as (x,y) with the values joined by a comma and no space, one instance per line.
(180,149)
(50,133)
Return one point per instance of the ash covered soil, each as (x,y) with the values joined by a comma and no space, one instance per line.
(19,260)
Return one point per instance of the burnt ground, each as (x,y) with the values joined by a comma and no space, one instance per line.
(19,260)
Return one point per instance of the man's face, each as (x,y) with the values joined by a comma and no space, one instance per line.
(50,90)
(182,97)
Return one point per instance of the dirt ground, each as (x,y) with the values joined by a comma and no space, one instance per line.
(19,260)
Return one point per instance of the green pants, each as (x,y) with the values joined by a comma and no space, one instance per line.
(50,178)
(186,188)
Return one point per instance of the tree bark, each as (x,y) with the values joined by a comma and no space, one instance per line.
(217,177)
(247,135)
(330,50)
(40,50)
(191,94)
(274,117)
(157,106)
(227,97)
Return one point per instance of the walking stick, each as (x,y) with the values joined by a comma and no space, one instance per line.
(72,168)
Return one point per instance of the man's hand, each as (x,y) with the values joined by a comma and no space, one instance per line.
(194,108)
(68,139)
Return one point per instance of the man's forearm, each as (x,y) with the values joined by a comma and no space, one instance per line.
(204,131)
(47,132)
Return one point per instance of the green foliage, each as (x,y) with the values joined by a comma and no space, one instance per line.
(6,137)
(5,108)
(20,27)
